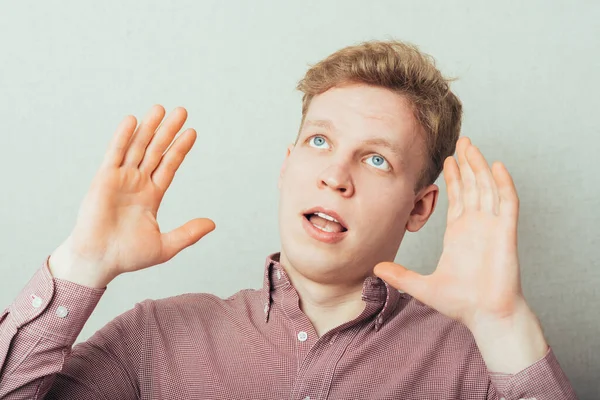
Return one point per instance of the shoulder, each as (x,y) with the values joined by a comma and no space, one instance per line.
(433,335)
(427,322)
(200,305)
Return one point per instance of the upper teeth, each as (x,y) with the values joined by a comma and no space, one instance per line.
(323,215)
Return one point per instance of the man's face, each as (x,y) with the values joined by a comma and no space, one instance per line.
(358,156)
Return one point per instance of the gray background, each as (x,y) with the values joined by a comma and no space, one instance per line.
(71,70)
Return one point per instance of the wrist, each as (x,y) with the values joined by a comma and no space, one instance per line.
(66,265)
(511,344)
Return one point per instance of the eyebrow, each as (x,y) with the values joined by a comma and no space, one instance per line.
(328,125)
(321,123)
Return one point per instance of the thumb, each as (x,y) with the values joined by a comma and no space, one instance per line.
(404,279)
(184,236)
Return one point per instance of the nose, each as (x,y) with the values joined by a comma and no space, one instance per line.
(336,178)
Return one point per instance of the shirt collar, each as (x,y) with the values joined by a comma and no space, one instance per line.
(374,290)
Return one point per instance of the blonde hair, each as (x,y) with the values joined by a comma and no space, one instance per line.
(404,69)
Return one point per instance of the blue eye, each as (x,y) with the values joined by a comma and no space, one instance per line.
(378,161)
(318,140)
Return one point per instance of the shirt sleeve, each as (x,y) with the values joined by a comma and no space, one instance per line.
(544,379)
(37,332)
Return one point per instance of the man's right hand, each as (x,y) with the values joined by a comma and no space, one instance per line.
(116,229)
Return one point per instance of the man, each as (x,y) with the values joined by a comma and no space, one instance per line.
(379,124)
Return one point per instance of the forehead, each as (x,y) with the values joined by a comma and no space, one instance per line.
(364,112)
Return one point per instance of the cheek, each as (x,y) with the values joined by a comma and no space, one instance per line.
(387,205)
(296,182)
(299,172)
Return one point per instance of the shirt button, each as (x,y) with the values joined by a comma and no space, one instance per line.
(62,311)
(302,336)
(36,301)
(266,308)
(307,398)
(380,320)
(278,274)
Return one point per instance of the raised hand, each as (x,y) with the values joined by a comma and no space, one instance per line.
(116,229)
(477,278)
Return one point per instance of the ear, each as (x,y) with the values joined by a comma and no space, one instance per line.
(284,164)
(424,207)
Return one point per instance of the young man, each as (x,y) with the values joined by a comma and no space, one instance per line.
(379,124)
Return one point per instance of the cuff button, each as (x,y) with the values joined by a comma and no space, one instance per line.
(36,301)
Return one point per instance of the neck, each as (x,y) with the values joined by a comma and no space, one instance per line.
(326,313)
(327,305)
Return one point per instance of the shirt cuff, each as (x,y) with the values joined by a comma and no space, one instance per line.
(53,308)
(544,376)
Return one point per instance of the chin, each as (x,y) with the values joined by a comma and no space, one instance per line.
(312,261)
(322,263)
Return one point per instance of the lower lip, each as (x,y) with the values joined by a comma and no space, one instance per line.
(322,236)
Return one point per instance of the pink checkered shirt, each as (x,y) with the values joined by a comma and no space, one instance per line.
(256,344)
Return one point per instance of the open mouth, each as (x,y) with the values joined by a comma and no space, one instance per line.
(325,222)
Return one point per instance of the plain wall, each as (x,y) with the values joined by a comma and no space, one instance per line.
(71,70)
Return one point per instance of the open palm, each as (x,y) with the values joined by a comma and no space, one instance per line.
(116,228)
(477,276)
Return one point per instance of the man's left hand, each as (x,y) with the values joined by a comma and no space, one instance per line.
(477,278)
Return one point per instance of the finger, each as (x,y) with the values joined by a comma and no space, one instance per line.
(453,187)
(142,136)
(184,236)
(163,138)
(470,193)
(170,162)
(404,279)
(488,192)
(509,200)
(118,144)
